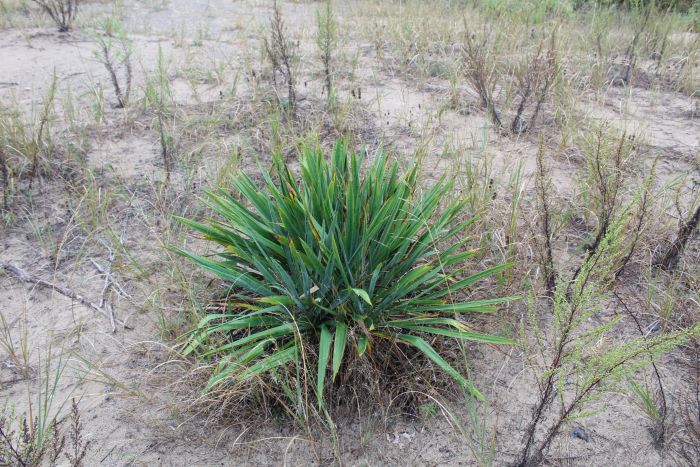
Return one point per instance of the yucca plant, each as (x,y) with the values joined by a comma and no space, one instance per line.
(331,263)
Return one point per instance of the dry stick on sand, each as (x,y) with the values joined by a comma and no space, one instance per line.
(65,291)
(107,273)
(113,283)
(108,282)
(670,258)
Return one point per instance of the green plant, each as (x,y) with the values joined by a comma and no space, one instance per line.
(5,161)
(21,444)
(546,232)
(159,98)
(33,438)
(481,71)
(579,362)
(335,263)
(640,16)
(694,16)
(532,79)
(115,49)
(607,157)
(26,144)
(687,227)
(532,11)
(19,359)
(428,409)
(282,53)
(645,402)
(327,41)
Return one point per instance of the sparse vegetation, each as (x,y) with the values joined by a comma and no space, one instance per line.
(27,144)
(361,176)
(575,358)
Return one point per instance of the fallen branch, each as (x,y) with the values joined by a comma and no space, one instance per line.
(65,291)
(106,273)
(108,282)
(105,288)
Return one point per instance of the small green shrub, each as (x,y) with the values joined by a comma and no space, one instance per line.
(333,262)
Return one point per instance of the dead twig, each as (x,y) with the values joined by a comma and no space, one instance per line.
(106,272)
(65,291)
(112,282)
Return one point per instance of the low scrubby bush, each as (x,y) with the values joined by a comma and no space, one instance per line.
(62,12)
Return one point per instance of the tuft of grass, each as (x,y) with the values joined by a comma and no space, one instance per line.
(330,266)
(648,404)
(34,437)
(27,148)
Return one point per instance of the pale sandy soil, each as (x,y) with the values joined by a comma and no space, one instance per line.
(126,380)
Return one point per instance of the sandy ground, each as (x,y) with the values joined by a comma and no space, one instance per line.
(125,379)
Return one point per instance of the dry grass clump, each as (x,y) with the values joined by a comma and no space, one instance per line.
(115,50)
(27,148)
(530,80)
(62,12)
(396,381)
(281,51)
